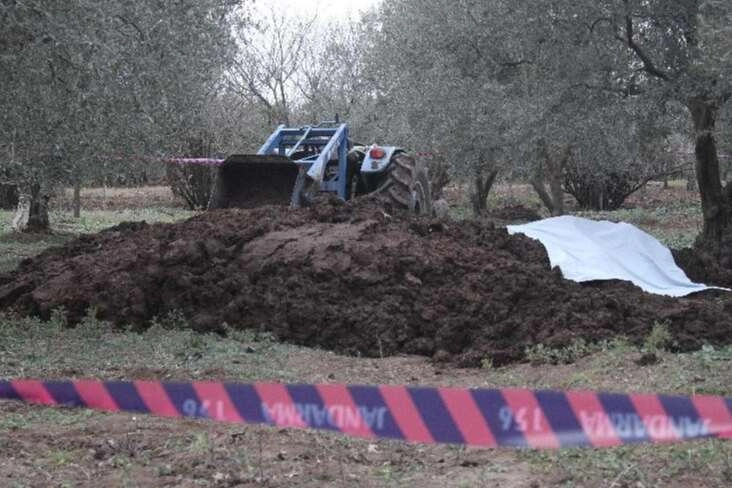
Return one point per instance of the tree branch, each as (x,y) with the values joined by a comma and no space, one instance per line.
(643,182)
(598,21)
(626,91)
(648,64)
(134,25)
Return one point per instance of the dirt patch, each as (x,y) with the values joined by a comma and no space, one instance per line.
(359,279)
(514,214)
(703,267)
(118,198)
(654,196)
(125,450)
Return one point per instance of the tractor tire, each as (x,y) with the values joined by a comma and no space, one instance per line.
(408,185)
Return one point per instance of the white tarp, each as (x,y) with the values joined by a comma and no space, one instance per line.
(588,250)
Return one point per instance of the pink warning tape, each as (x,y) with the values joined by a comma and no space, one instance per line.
(194,161)
(475,417)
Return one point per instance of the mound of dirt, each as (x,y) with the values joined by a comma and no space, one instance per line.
(356,279)
(701,267)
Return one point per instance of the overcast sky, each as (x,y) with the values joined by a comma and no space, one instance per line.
(334,9)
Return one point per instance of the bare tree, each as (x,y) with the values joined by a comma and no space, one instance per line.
(270,59)
(335,81)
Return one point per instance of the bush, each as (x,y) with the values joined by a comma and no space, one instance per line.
(601,190)
(193,183)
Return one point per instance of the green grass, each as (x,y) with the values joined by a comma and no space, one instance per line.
(610,367)
(676,226)
(30,347)
(96,220)
(690,464)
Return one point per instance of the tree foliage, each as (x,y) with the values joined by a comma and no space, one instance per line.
(671,51)
(86,80)
(447,78)
(488,83)
(592,98)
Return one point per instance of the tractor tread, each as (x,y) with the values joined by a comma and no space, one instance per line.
(408,184)
(400,178)
(398,196)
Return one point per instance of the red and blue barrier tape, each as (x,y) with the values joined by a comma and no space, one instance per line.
(475,417)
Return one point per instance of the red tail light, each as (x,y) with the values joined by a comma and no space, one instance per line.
(377,153)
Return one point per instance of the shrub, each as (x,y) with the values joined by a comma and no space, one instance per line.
(659,339)
(603,191)
(193,183)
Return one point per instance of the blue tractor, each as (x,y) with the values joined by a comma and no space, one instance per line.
(295,164)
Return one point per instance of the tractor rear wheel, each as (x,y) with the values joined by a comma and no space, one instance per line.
(408,184)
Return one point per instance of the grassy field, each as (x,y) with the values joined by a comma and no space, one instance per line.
(62,447)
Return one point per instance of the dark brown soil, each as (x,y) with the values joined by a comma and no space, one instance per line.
(358,279)
(514,214)
(702,267)
(121,450)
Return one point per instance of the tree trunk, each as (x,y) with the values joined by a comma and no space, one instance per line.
(540,190)
(691,183)
(77,198)
(714,197)
(439,177)
(38,211)
(553,171)
(481,190)
(8,196)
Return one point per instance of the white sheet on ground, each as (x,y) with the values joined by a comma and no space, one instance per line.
(588,250)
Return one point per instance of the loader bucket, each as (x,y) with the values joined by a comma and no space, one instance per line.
(248,181)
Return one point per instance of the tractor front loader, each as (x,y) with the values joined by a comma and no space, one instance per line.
(295,164)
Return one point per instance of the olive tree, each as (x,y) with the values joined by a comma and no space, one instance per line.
(593,87)
(449,76)
(672,51)
(85,81)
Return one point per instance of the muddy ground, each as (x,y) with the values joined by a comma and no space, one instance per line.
(359,278)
